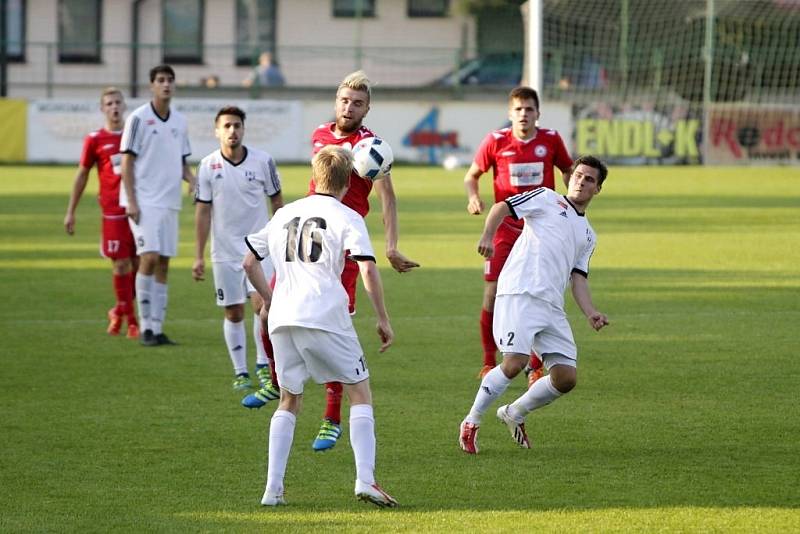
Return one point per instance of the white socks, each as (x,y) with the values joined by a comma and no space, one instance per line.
(261,354)
(541,393)
(236,340)
(144,289)
(493,385)
(281,434)
(362,440)
(158,307)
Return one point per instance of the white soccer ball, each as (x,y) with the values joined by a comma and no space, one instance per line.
(372,158)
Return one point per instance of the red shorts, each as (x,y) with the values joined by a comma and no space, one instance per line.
(349,278)
(116,243)
(503,242)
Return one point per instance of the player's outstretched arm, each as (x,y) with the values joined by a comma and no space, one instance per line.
(474,202)
(372,284)
(256,276)
(583,298)
(496,215)
(202,227)
(81,178)
(275,202)
(385,189)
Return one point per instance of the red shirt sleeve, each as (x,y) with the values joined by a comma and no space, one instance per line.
(562,159)
(88,157)
(484,157)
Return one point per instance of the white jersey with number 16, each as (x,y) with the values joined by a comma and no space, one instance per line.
(306,241)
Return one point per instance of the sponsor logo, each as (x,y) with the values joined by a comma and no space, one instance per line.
(429,139)
(562,204)
(563,214)
(540,151)
(216,166)
(150,122)
(218,176)
(507,153)
(486,389)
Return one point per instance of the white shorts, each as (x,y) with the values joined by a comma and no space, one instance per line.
(231,283)
(302,353)
(157,231)
(523,323)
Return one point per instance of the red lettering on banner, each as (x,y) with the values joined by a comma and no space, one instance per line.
(724,130)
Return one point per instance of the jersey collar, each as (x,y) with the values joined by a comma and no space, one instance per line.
(162,119)
(580,214)
(232,163)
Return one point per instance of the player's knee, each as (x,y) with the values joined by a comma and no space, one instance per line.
(234,313)
(564,378)
(290,402)
(122,266)
(513,365)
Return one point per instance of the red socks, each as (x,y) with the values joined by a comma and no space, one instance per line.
(333,410)
(487,338)
(124,289)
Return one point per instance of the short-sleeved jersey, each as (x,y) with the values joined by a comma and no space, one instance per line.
(160,146)
(306,241)
(556,241)
(101,147)
(237,193)
(357,197)
(520,166)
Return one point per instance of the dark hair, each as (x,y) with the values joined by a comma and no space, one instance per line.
(524,93)
(593,162)
(230,110)
(161,69)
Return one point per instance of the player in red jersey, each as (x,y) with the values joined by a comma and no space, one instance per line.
(352,105)
(522,158)
(101,147)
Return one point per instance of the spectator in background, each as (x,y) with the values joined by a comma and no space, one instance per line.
(266,74)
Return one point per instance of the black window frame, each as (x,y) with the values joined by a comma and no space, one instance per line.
(81,57)
(170,57)
(250,58)
(340,12)
(413,11)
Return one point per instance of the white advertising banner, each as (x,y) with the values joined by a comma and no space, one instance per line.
(418,131)
(56,128)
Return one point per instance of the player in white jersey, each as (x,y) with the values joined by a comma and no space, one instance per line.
(233,183)
(155,145)
(309,321)
(553,250)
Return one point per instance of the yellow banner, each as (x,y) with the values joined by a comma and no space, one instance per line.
(14,125)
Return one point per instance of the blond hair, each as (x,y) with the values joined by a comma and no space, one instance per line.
(357,81)
(110,90)
(331,168)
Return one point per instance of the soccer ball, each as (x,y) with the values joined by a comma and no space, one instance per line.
(372,158)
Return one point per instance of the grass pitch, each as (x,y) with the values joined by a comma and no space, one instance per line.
(685,416)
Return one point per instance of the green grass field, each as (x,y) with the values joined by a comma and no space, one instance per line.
(685,417)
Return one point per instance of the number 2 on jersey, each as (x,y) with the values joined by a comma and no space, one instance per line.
(311,231)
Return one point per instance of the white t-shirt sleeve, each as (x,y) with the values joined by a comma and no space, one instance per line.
(187,147)
(527,203)
(132,135)
(258,243)
(272,182)
(204,189)
(356,240)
